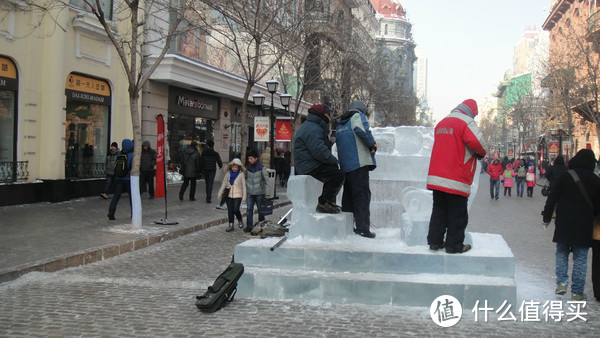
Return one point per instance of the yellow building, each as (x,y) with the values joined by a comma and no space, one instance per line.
(63,100)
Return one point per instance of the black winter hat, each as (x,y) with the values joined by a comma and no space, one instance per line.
(584,159)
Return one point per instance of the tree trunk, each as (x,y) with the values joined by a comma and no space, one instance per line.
(243,132)
(136,203)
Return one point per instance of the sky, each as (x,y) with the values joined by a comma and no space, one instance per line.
(469,44)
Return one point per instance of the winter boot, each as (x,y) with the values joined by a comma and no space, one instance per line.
(240,224)
(230,227)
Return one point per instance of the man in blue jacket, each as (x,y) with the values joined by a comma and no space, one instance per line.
(122,183)
(356,151)
(312,156)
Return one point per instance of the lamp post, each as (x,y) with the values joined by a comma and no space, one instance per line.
(285,101)
(272,88)
(514,147)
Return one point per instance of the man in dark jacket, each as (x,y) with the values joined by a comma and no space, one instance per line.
(190,165)
(122,183)
(312,156)
(576,206)
(356,151)
(208,164)
(147,168)
(113,152)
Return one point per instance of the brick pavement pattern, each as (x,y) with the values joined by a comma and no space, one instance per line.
(151,292)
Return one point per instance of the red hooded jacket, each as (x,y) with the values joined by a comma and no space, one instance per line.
(453,162)
(495,169)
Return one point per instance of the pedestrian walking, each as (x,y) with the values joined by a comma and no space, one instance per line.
(209,161)
(556,170)
(457,146)
(531,180)
(265,157)
(576,197)
(356,151)
(507,179)
(495,171)
(147,169)
(312,156)
(521,177)
(190,167)
(257,185)
(233,189)
(111,156)
(122,184)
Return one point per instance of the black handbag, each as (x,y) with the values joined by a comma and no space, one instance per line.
(545,190)
(266,206)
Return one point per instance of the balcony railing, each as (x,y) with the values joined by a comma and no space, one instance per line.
(593,27)
(85,170)
(13,171)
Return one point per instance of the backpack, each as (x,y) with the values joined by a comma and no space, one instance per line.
(530,177)
(223,289)
(521,172)
(121,169)
(508,173)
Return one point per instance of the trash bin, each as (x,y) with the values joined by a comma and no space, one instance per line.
(272,174)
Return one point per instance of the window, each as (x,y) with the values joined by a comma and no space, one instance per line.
(7,125)
(385,30)
(105,5)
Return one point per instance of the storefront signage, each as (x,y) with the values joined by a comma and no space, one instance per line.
(283,129)
(86,89)
(553,147)
(261,129)
(8,75)
(192,103)
(236,108)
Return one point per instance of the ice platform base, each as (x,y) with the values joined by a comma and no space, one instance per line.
(352,271)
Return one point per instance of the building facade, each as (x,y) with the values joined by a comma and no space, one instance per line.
(61,103)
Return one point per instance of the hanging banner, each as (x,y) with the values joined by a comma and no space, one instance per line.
(553,147)
(261,128)
(160,157)
(283,129)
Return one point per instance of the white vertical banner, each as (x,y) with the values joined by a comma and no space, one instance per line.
(262,126)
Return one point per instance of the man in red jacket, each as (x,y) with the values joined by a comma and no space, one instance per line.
(495,171)
(457,147)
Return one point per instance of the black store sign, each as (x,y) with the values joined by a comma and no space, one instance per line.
(191,103)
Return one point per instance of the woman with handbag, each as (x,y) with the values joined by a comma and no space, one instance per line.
(233,188)
(576,196)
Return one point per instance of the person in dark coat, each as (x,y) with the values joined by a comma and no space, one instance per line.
(113,152)
(312,156)
(147,168)
(574,220)
(122,183)
(190,166)
(209,161)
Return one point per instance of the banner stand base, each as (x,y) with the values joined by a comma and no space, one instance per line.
(166,222)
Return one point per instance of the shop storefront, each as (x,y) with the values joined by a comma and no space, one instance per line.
(87,126)
(192,117)
(8,121)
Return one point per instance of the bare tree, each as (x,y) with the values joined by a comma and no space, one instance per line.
(257,34)
(574,75)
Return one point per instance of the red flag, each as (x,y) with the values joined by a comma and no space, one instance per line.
(160,158)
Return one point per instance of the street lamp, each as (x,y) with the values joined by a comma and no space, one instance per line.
(272,88)
(514,147)
(285,100)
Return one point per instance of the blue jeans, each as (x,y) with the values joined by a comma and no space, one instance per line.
(121,187)
(109,181)
(494,184)
(579,266)
(520,186)
(250,201)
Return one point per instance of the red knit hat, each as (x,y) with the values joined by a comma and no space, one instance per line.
(472,105)
(320,109)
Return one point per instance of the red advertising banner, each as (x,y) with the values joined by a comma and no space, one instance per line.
(160,157)
(553,147)
(283,130)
